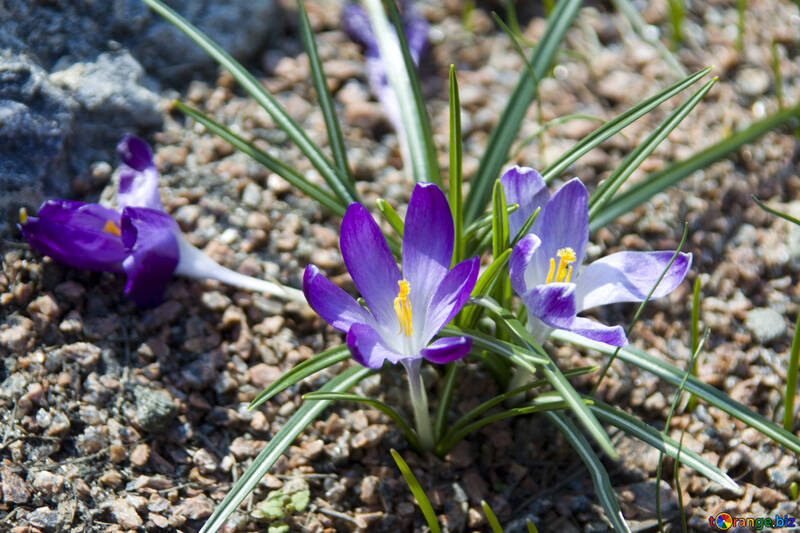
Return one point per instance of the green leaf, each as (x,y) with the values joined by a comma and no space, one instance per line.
(791,379)
(598,473)
(616,124)
(656,182)
(640,26)
(504,133)
(518,354)
(650,435)
(324,95)
(300,499)
(673,375)
(301,371)
(400,81)
(445,400)
(768,209)
(554,375)
(470,315)
(276,166)
(282,440)
(431,158)
(419,494)
(456,175)
(611,185)
(339,184)
(500,239)
(491,518)
(411,436)
(391,216)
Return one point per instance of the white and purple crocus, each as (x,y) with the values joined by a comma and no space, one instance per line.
(545,265)
(403,311)
(138,239)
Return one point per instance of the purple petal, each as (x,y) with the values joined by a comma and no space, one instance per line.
(427,244)
(355,22)
(77,234)
(370,263)
(447,349)
(523,186)
(368,348)
(138,175)
(562,223)
(629,277)
(554,305)
(521,257)
(416,28)
(149,236)
(334,305)
(450,296)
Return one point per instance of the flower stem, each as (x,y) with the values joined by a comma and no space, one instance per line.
(419,403)
(520,377)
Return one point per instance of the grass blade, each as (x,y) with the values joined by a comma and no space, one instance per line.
(500,238)
(598,473)
(658,181)
(520,355)
(282,440)
(504,133)
(323,94)
(639,25)
(618,123)
(705,392)
(419,494)
(791,380)
(494,523)
(554,375)
(391,216)
(456,175)
(694,336)
(768,209)
(301,371)
(380,406)
(338,184)
(431,158)
(278,167)
(650,435)
(445,400)
(609,187)
(469,316)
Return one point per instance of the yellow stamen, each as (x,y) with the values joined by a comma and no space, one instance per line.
(566,256)
(23,215)
(112,228)
(402,308)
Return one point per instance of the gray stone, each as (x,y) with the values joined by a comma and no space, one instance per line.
(765,324)
(154,409)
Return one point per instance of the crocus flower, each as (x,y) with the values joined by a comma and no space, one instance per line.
(356,23)
(403,312)
(138,239)
(545,266)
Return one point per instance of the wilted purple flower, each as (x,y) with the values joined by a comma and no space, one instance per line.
(404,311)
(356,23)
(139,239)
(545,266)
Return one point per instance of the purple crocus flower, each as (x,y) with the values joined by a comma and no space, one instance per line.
(138,239)
(357,25)
(404,312)
(545,266)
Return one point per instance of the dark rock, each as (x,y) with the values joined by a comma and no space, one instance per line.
(154,409)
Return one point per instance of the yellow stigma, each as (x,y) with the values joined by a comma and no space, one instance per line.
(566,256)
(402,308)
(23,215)
(112,228)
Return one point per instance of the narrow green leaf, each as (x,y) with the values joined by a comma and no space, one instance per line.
(598,473)
(445,400)
(485,222)
(618,123)
(456,175)
(554,375)
(301,371)
(275,165)
(776,73)
(768,209)
(705,392)
(338,184)
(431,158)
(399,80)
(335,138)
(282,440)
(391,216)
(419,494)
(526,226)
(551,124)
(531,526)
(494,523)
(640,26)
(409,433)
(694,336)
(470,315)
(791,380)
(500,239)
(650,435)
(611,185)
(520,355)
(504,133)
(658,181)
